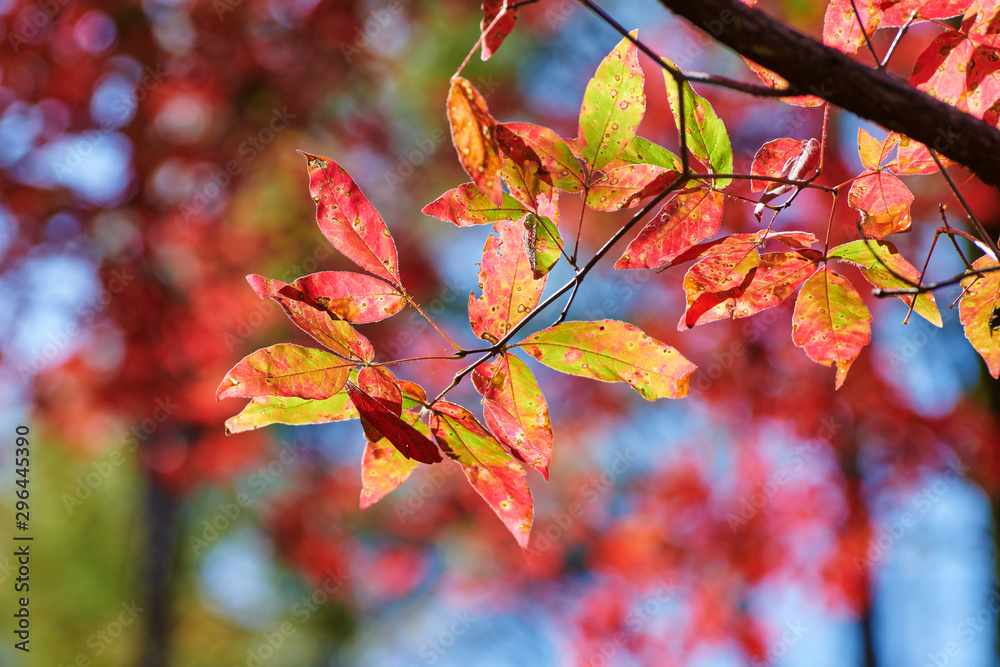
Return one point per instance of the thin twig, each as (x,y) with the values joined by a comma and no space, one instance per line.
(895,41)
(857,15)
(994,250)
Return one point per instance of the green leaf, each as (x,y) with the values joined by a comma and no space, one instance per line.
(867,256)
(980,315)
(613,106)
(266,410)
(643,151)
(613,352)
(495,476)
(466,205)
(286,370)
(706,134)
(542,241)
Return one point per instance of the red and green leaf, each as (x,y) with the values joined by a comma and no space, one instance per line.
(266,410)
(613,106)
(354,297)
(349,220)
(540,237)
(613,351)
(496,477)
(878,261)
(884,204)
(336,335)
(713,284)
(705,133)
(384,468)
(979,311)
(515,409)
(386,421)
(286,370)
(466,205)
(688,217)
(627,185)
(472,133)
(558,166)
(778,275)
(510,290)
(830,321)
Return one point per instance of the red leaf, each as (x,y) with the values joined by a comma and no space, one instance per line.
(895,13)
(914,158)
(884,204)
(503,27)
(384,468)
(689,216)
(495,476)
(349,221)
(337,335)
(774,159)
(841,28)
(558,166)
(354,297)
(466,205)
(404,437)
(510,290)
(508,385)
(872,151)
(713,284)
(775,82)
(778,275)
(379,383)
(472,133)
(627,185)
(830,321)
(286,370)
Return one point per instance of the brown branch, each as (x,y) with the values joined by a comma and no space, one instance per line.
(812,68)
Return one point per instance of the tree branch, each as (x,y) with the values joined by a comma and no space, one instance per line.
(812,68)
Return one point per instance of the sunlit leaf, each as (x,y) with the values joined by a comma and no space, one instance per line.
(506,279)
(466,205)
(643,151)
(472,133)
(775,82)
(349,221)
(872,151)
(979,311)
(495,476)
(878,261)
(542,242)
(777,276)
(841,28)
(266,410)
(379,383)
(503,27)
(403,436)
(884,204)
(689,216)
(384,468)
(349,296)
(558,166)
(337,335)
(830,321)
(627,185)
(286,370)
(774,159)
(613,352)
(705,132)
(613,106)
(714,283)
(896,13)
(914,158)
(509,390)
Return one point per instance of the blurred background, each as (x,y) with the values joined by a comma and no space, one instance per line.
(147,164)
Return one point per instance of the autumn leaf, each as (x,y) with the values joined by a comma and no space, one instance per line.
(540,237)
(349,221)
(644,152)
(613,351)
(627,185)
(379,383)
(878,261)
(503,27)
(384,468)
(472,133)
(688,216)
(403,436)
(515,409)
(558,166)
(509,288)
(266,410)
(830,321)
(466,205)
(872,151)
(884,204)
(613,106)
(775,82)
(777,276)
(782,158)
(842,28)
(705,133)
(714,283)
(979,311)
(286,370)
(337,335)
(354,297)
(495,476)
(914,158)
(895,13)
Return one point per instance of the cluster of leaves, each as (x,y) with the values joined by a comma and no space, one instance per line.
(518,171)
